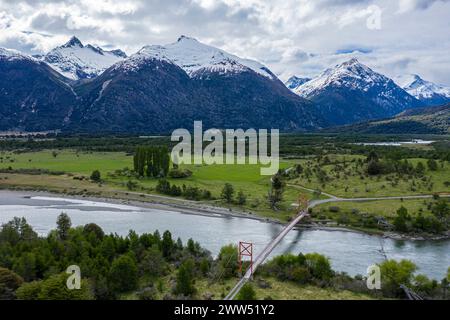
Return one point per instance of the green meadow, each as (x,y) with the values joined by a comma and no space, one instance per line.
(208,177)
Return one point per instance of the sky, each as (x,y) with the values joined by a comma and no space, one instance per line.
(291,37)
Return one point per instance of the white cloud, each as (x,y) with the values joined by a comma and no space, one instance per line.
(290,36)
(408,5)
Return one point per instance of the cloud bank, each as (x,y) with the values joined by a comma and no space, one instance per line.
(299,37)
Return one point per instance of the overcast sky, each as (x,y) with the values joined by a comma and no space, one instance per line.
(300,37)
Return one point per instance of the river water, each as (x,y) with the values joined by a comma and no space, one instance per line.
(348,251)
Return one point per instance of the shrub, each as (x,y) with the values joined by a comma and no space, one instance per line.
(334,209)
(247,292)
(185,278)
(180,174)
(9,282)
(54,288)
(96,176)
(123,275)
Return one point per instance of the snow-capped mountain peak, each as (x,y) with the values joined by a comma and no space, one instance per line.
(196,58)
(351,74)
(73,42)
(426,91)
(77,61)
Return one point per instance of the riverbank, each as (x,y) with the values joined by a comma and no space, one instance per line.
(183,206)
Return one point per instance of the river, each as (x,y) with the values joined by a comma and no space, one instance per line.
(348,251)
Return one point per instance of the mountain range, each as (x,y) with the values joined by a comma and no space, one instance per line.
(427,120)
(156,90)
(84,88)
(352,92)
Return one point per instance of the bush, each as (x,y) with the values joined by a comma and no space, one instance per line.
(319,266)
(432,165)
(241,198)
(334,209)
(123,275)
(247,292)
(147,294)
(96,176)
(54,288)
(394,274)
(180,174)
(227,193)
(9,282)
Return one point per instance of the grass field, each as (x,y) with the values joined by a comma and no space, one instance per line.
(278,290)
(349,183)
(385,208)
(67,160)
(243,177)
(352,182)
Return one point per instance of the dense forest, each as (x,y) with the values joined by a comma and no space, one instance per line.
(155,266)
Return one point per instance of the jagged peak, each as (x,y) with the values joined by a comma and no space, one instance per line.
(350,62)
(73,42)
(186,38)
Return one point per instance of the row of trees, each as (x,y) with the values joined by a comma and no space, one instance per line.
(376,166)
(152,161)
(188,192)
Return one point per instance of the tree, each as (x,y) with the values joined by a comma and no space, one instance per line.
(153,263)
(394,274)
(25,266)
(227,193)
(167,244)
(276,191)
(247,293)
(373,168)
(9,282)
(185,277)
(228,261)
(401,220)
(432,165)
(96,176)
(441,209)
(373,156)
(420,169)
(319,266)
(241,198)
(63,226)
(95,230)
(123,275)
